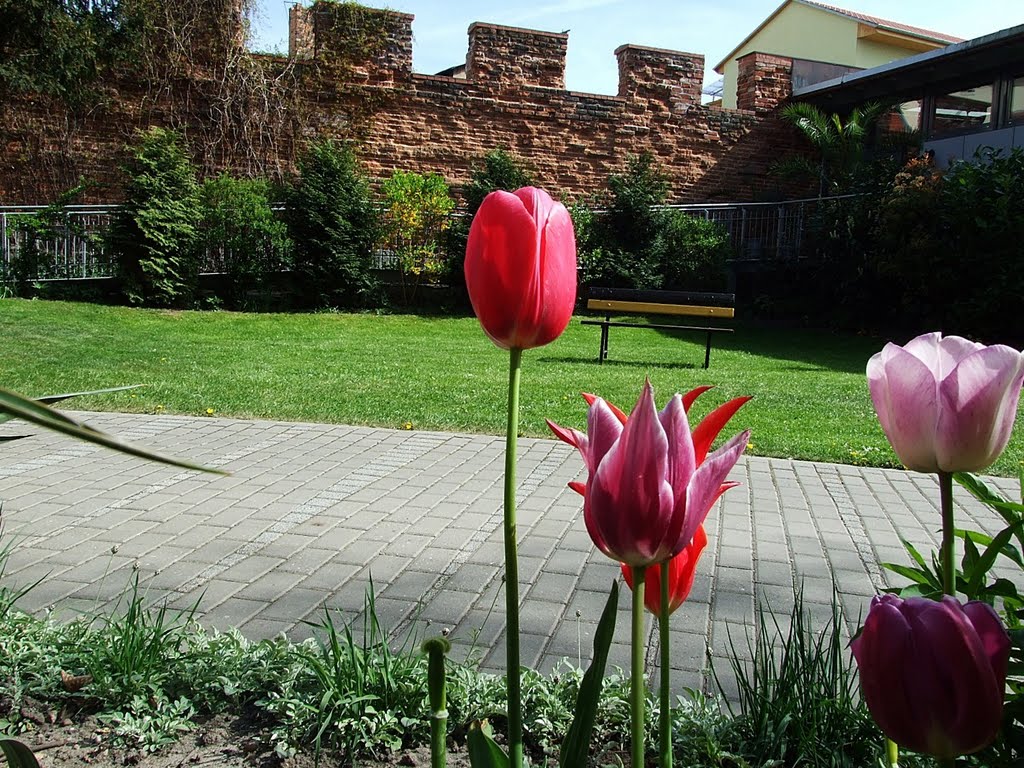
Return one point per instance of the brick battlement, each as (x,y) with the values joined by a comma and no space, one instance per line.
(352,78)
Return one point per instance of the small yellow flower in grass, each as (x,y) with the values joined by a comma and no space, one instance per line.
(209,411)
(159,407)
(407,425)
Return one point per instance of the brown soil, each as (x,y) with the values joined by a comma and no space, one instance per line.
(223,742)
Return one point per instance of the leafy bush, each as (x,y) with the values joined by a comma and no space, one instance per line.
(498,169)
(637,243)
(244,236)
(925,249)
(334,227)
(153,236)
(617,252)
(417,217)
(692,252)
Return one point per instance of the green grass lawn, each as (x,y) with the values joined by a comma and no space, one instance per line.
(810,394)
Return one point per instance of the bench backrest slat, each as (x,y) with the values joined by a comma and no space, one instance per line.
(655,308)
(663,297)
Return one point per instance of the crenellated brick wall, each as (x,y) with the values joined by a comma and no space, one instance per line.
(350,75)
(764,81)
(506,57)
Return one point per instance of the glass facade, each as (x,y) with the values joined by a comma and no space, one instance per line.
(1017,101)
(963,111)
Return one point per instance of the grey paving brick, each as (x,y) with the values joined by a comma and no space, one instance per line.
(312,510)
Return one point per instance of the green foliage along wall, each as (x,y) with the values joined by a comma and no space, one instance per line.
(153,236)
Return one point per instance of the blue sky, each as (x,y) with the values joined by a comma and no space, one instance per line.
(598,27)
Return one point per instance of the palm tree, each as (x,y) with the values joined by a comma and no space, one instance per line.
(840,143)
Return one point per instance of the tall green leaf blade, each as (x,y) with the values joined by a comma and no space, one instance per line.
(18,755)
(50,399)
(576,747)
(484,752)
(22,407)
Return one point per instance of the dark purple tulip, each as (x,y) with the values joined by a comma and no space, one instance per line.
(933,673)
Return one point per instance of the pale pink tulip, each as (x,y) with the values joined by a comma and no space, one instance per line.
(945,403)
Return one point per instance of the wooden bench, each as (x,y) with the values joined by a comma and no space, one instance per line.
(713,306)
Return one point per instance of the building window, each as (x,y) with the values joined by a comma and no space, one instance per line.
(807,73)
(909,115)
(965,111)
(1017,102)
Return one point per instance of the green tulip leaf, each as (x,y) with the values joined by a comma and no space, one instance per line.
(969,562)
(17,754)
(1010,512)
(576,747)
(987,560)
(912,551)
(21,407)
(984,540)
(918,576)
(484,751)
(50,399)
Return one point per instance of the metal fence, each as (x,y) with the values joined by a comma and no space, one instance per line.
(69,243)
(766,232)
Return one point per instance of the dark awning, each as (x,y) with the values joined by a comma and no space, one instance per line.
(971,62)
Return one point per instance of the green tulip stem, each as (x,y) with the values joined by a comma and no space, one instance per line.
(637,668)
(892,754)
(665,730)
(436,648)
(515,710)
(948,549)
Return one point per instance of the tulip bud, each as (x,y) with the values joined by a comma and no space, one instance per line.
(933,673)
(521,268)
(946,404)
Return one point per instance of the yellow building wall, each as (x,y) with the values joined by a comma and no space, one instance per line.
(804,32)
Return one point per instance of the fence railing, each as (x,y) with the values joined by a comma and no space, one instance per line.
(71,244)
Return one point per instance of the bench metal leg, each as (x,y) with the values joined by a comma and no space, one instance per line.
(707,352)
(603,353)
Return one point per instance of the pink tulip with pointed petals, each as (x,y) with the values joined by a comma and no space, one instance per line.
(647,492)
(945,403)
(933,673)
(521,268)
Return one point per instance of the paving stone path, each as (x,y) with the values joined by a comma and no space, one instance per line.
(311,511)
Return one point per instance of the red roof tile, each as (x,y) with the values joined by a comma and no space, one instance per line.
(893,25)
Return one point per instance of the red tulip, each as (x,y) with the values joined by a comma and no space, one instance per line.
(681,571)
(946,404)
(933,673)
(649,486)
(521,268)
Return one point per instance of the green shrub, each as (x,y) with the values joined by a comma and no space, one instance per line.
(153,235)
(243,235)
(334,227)
(498,169)
(693,252)
(929,250)
(617,248)
(416,220)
